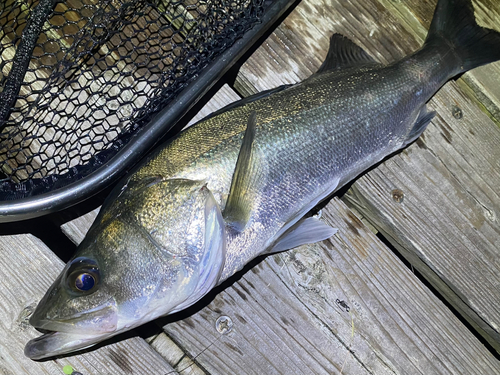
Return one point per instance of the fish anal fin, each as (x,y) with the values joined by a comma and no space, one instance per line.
(424,118)
(305,231)
(344,53)
(239,206)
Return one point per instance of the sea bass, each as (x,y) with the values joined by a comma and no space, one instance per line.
(242,182)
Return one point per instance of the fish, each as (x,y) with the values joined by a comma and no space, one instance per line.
(243,182)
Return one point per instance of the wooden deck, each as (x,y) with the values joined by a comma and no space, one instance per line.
(410,284)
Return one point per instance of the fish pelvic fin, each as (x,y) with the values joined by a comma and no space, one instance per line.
(300,229)
(454,25)
(344,53)
(309,230)
(238,207)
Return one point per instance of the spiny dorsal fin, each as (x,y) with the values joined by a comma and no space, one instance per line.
(247,100)
(344,53)
(238,208)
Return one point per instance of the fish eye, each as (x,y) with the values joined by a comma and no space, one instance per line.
(82,276)
(84,282)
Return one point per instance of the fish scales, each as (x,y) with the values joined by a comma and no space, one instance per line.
(327,130)
(241,183)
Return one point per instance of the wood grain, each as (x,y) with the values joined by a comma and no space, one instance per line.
(223,97)
(285,311)
(174,355)
(389,30)
(28,269)
(288,317)
(448,223)
(299,45)
(481,84)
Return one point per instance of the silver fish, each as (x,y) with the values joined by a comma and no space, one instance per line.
(241,183)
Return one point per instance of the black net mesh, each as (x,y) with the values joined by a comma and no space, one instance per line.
(79,77)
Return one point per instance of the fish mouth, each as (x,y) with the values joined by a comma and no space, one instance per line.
(68,335)
(54,343)
(104,325)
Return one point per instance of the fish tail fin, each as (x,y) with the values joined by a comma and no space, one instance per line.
(454,25)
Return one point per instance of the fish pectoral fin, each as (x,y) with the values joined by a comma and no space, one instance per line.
(344,53)
(239,206)
(305,231)
(424,118)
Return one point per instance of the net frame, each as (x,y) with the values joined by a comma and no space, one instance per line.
(62,190)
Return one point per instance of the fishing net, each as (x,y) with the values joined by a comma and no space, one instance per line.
(79,77)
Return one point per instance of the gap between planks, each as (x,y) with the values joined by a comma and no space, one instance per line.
(376,26)
(342,343)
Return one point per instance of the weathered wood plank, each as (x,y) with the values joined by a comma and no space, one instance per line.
(76,229)
(284,311)
(174,355)
(298,46)
(389,32)
(447,224)
(28,268)
(387,29)
(288,316)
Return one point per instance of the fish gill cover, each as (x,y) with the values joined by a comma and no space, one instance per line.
(78,78)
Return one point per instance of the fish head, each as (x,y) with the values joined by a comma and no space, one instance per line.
(157,248)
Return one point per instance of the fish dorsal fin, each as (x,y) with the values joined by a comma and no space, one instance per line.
(238,207)
(247,100)
(344,53)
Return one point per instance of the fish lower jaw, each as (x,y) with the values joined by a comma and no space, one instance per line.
(72,327)
(54,343)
